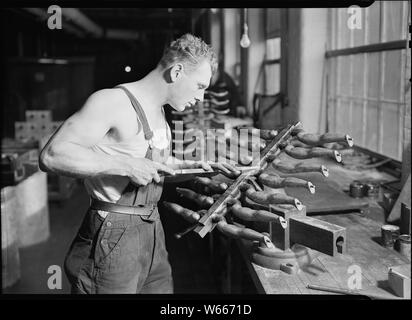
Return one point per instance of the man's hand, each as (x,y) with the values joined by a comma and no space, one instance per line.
(142,171)
(223,167)
(177,164)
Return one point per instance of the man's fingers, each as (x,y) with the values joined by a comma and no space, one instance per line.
(220,167)
(147,176)
(162,168)
(206,166)
(140,181)
(156,177)
(232,168)
(197,164)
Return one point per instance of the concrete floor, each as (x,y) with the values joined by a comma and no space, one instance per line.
(188,256)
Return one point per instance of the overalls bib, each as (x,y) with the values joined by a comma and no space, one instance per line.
(124,252)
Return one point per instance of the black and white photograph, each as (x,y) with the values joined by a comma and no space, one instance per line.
(216,152)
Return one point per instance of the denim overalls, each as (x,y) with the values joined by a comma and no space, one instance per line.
(124,252)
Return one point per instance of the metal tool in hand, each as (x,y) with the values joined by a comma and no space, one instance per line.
(182,175)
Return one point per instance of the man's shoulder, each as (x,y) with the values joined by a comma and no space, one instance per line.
(106,96)
(109,99)
(108,103)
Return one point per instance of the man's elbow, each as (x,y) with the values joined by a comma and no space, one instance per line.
(47,159)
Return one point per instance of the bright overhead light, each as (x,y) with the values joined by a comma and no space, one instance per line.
(127,69)
(245,41)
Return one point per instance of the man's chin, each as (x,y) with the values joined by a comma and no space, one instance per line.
(179,108)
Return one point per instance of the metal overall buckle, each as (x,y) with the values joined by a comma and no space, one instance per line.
(151,145)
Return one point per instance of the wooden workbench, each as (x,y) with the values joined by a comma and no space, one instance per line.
(363,249)
(363,233)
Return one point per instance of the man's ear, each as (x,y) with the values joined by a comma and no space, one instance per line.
(176,71)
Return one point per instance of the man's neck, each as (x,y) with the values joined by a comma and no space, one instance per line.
(152,89)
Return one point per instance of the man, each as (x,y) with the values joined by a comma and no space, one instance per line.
(119,144)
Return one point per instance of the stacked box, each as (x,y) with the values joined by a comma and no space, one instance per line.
(39,116)
(38,125)
(33,131)
(21,130)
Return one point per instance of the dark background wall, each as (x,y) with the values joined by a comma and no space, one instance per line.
(90,63)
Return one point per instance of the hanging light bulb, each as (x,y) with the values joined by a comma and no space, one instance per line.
(245,41)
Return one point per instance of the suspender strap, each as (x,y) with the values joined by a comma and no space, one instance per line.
(148,133)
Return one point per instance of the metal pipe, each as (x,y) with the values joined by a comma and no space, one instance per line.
(119,34)
(76,16)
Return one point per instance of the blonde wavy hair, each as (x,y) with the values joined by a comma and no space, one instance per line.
(190,51)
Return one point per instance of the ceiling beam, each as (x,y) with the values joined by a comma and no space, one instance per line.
(75,16)
(43,16)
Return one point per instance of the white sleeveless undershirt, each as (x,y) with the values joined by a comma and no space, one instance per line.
(109,188)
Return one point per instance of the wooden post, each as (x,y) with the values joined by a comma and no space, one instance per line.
(222,39)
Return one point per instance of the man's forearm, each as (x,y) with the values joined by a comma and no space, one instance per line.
(67,158)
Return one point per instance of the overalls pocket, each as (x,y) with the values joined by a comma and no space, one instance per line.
(82,247)
(108,247)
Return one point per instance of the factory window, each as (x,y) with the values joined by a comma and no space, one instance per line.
(272,66)
(367,74)
(272,57)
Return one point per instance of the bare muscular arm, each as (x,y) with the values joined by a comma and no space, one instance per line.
(69,151)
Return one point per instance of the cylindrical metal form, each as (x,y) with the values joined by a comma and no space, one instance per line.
(405,224)
(372,190)
(390,234)
(356,189)
(404,245)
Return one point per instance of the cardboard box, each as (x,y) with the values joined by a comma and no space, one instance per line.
(33,131)
(38,116)
(21,130)
(399,278)
(27,131)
